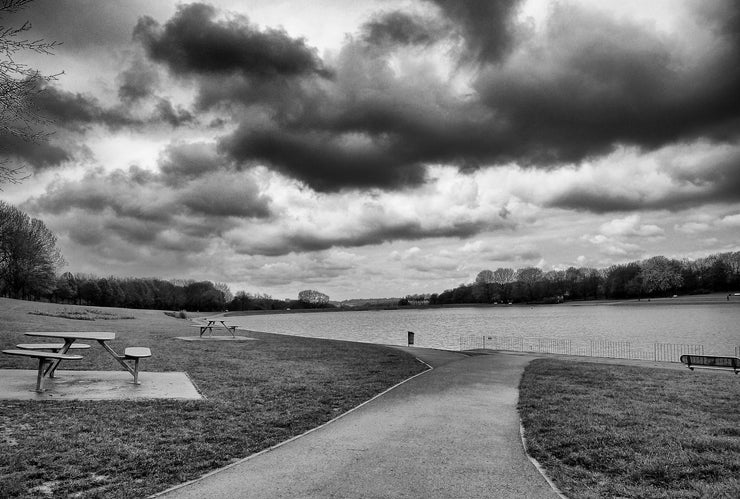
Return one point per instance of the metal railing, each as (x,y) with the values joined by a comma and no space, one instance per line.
(661,352)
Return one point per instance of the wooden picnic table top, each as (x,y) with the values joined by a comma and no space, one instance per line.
(75,335)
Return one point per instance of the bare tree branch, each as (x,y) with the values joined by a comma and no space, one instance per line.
(19,84)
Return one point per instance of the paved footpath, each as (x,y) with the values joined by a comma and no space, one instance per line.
(450,432)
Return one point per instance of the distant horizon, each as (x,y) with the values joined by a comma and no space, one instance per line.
(402,295)
(367,147)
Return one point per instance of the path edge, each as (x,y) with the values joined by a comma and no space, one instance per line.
(269,449)
(537,464)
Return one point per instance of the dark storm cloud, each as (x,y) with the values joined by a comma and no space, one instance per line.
(594,82)
(487,25)
(400,28)
(575,90)
(378,232)
(144,206)
(117,192)
(324,160)
(76,111)
(138,81)
(60,112)
(121,193)
(194,42)
(713,183)
(367,128)
(175,117)
(39,154)
(716,183)
(181,163)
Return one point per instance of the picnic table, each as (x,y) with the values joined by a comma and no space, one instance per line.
(211,323)
(102,337)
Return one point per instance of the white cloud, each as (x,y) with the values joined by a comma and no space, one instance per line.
(730,221)
(692,227)
(630,226)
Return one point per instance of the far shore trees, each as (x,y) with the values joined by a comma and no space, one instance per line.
(313,297)
(29,258)
(653,277)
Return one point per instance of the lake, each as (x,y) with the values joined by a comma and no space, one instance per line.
(713,323)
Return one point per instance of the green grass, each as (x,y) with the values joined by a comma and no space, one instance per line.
(259,393)
(633,432)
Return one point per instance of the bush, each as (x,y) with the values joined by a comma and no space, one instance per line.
(182,314)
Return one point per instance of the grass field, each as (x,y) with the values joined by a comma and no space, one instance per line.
(611,431)
(259,393)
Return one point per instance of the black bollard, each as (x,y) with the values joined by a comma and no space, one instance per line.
(411,338)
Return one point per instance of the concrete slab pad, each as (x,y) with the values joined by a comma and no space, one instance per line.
(20,384)
(214,338)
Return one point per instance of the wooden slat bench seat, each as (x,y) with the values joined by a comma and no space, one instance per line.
(136,354)
(711,362)
(44,358)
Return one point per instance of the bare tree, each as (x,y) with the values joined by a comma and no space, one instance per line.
(224,288)
(503,275)
(19,83)
(29,257)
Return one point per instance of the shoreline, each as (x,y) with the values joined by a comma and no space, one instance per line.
(728,299)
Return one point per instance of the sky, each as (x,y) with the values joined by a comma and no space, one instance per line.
(381,148)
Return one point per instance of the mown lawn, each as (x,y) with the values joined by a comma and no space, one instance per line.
(603,431)
(259,393)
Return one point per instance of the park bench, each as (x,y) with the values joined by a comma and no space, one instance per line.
(45,359)
(711,362)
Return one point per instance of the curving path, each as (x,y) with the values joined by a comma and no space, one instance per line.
(450,432)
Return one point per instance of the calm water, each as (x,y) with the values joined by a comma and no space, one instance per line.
(716,325)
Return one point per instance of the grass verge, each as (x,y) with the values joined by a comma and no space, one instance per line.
(259,393)
(633,432)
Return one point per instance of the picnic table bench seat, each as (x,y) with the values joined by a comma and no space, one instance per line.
(51,346)
(44,358)
(135,354)
(711,362)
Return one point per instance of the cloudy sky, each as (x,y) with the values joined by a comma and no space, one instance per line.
(381,148)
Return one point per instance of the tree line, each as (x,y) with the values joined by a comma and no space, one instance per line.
(653,277)
(160,294)
(30,262)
